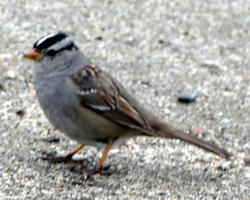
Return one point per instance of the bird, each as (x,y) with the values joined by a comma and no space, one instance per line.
(89,105)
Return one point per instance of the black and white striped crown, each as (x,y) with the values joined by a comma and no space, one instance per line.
(54,43)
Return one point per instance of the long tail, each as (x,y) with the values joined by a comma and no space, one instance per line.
(167,131)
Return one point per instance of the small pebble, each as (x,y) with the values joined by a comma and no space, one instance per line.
(163,193)
(224,166)
(145,82)
(247,161)
(187,97)
(50,140)
(161,41)
(20,113)
(100,38)
(226,123)
(2,87)
(4,56)
(10,75)
(211,65)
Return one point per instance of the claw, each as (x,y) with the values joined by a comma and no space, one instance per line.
(105,171)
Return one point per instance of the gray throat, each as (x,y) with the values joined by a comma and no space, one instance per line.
(66,62)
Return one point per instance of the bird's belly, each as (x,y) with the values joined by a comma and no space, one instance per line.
(82,125)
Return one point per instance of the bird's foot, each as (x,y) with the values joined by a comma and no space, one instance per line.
(105,171)
(57,159)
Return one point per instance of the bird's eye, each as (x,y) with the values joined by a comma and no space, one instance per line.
(51,52)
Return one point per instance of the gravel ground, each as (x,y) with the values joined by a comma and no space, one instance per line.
(158,49)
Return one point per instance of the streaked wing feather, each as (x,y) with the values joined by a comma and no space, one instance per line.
(106,99)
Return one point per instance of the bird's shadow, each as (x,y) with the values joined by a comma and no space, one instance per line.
(77,173)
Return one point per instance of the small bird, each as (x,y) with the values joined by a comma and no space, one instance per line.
(88,105)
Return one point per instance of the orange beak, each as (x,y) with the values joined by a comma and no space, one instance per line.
(33,55)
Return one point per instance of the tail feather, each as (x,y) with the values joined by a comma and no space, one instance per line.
(167,131)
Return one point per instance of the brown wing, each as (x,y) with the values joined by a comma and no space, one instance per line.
(100,93)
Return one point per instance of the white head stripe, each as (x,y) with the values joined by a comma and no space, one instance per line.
(45,38)
(60,44)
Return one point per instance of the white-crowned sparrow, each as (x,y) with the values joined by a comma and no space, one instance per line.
(89,105)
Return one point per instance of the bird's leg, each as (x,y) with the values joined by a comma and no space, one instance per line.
(104,155)
(99,167)
(68,157)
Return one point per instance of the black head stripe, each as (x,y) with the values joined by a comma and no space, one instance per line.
(49,40)
(53,50)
